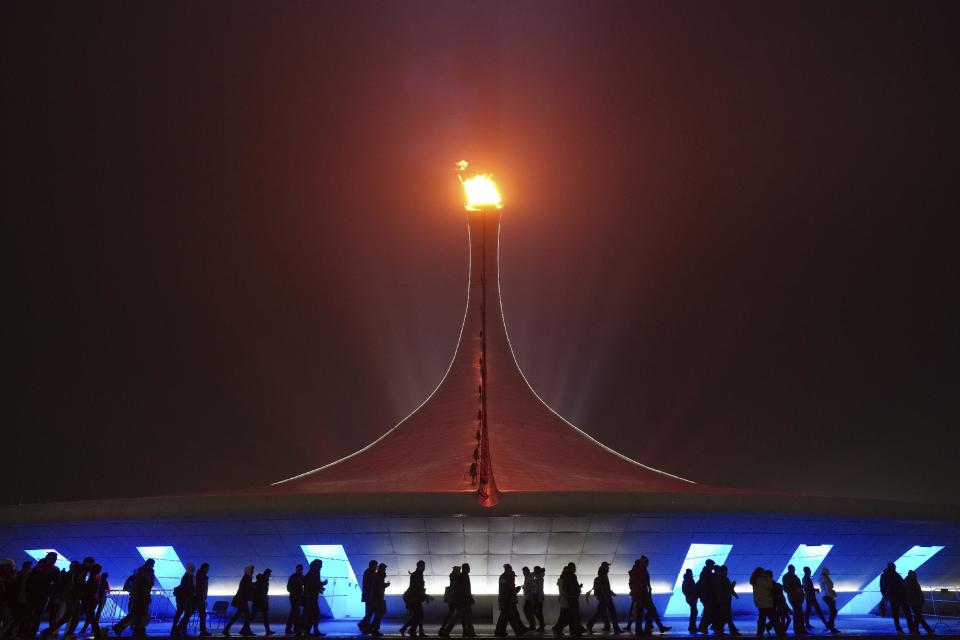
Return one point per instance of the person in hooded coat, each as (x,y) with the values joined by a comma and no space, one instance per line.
(913,594)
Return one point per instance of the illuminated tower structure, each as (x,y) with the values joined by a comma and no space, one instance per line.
(483,429)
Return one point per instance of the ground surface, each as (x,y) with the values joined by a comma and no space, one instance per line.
(859,626)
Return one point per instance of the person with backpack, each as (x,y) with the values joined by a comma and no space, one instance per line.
(186,596)
(689,590)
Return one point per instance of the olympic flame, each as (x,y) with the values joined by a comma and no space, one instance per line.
(480,192)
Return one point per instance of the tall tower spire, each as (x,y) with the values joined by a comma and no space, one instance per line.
(484,430)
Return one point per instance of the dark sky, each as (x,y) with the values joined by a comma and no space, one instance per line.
(238,250)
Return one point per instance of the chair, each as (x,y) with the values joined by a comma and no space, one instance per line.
(218,614)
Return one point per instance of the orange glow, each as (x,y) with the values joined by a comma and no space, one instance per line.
(480,192)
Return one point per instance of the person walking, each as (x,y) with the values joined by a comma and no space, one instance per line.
(295,595)
(90,595)
(604,594)
(539,573)
(413,599)
(366,583)
(810,600)
(448,599)
(186,596)
(794,590)
(707,592)
(779,604)
(829,596)
(913,595)
(689,590)
(139,586)
(261,599)
(241,604)
(202,580)
(647,609)
(104,585)
(569,588)
(507,604)
(378,592)
(891,588)
(762,585)
(463,603)
(8,596)
(526,588)
(726,591)
(63,599)
(313,586)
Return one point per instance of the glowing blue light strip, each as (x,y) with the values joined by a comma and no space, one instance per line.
(167,567)
(697,555)
(807,556)
(342,592)
(37,554)
(869,597)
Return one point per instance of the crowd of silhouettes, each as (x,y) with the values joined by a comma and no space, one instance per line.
(65,598)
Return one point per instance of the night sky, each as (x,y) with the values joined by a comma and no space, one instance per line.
(237,248)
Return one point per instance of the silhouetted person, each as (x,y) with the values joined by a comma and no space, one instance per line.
(762,585)
(707,592)
(569,588)
(794,590)
(80,579)
(649,609)
(313,586)
(507,604)
(413,599)
(527,602)
(810,600)
(8,600)
(39,588)
(295,596)
(186,597)
(913,594)
(829,595)
(537,596)
(891,587)
(104,585)
(378,592)
(779,604)
(241,603)
(139,601)
(63,599)
(17,595)
(448,599)
(261,599)
(604,594)
(726,591)
(366,584)
(203,584)
(463,600)
(689,589)
(90,593)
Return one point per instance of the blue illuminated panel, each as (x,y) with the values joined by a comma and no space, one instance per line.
(37,554)
(807,556)
(167,567)
(697,556)
(868,598)
(342,592)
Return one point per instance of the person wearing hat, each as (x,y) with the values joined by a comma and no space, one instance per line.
(507,603)
(605,609)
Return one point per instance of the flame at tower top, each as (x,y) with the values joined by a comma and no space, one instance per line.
(480,191)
